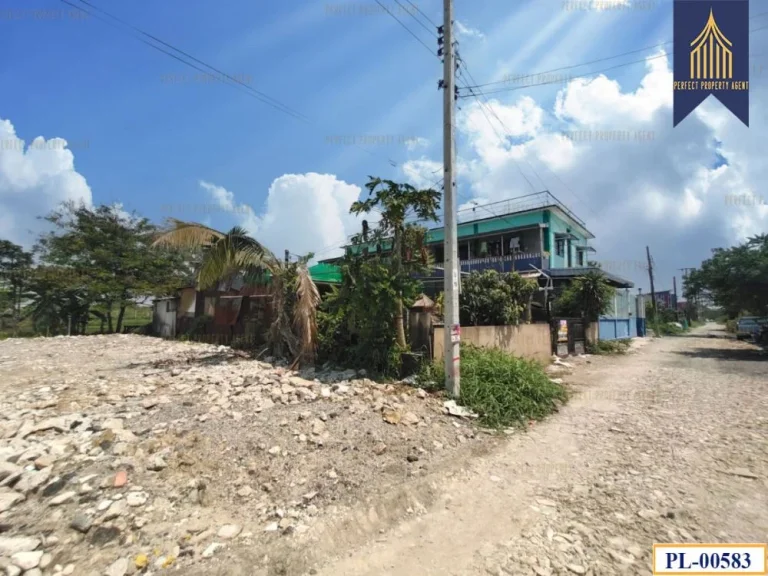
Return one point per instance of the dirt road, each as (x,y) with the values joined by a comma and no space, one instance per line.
(669,444)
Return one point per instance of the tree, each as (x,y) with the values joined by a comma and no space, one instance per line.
(735,279)
(587,296)
(490,298)
(57,304)
(15,265)
(106,254)
(294,295)
(396,203)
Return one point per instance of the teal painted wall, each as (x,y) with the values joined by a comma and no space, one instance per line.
(488,226)
(559,226)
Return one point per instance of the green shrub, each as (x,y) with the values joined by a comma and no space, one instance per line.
(503,390)
(730,326)
(609,346)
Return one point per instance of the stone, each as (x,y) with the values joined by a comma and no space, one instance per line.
(149,403)
(81,522)
(318,427)
(272,527)
(32,480)
(391,416)
(412,457)
(648,514)
(380,448)
(118,568)
(10,546)
(34,572)
(410,419)
(62,498)
(135,499)
(245,492)
(229,531)
(45,561)
(211,550)
(156,463)
(743,473)
(9,498)
(576,569)
(104,535)
(44,462)
(421,393)
(121,478)
(275,450)
(12,570)
(27,560)
(54,487)
(7,469)
(112,424)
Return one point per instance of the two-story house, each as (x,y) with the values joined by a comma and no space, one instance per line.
(535,235)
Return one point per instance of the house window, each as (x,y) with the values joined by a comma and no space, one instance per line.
(560,246)
(170,305)
(581,257)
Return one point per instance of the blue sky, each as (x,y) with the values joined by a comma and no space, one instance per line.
(348,66)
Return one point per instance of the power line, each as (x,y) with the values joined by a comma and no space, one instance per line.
(419,40)
(586,75)
(422,13)
(432,32)
(260,95)
(233,82)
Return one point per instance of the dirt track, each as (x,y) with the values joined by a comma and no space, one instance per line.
(669,444)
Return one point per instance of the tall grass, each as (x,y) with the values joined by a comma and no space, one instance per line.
(503,390)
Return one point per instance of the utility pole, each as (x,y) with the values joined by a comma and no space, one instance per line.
(650,276)
(674,290)
(451,328)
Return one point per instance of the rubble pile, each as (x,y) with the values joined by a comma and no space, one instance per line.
(124,454)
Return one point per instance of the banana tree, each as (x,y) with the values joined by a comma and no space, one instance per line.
(295,297)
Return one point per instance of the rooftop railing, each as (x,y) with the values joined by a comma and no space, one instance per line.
(513,205)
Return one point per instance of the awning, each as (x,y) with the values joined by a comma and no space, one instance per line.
(586,248)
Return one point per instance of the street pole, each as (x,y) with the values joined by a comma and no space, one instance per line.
(650,276)
(451,328)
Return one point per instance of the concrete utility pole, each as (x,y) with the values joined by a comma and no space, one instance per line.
(650,276)
(451,329)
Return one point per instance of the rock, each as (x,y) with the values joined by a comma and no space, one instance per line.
(450,407)
(44,462)
(112,424)
(576,569)
(332,474)
(116,510)
(121,478)
(54,487)
(141,561)
(421,393)
(318,427)
(7,469)
(275,450)
(34,572)
(272,527)
(45,561)
(32,480)
(62,498)
(12,570)
(412,458)
(10,546)
(81,522)
(229,531)
(9,498)
(211,550)
(411,419)
(27,560)
(104,535)
(309,496)
(391,416)
(648,514)
(118,568)
(156,463)
(135,499)
(149,403)
(742,472)
(379,449)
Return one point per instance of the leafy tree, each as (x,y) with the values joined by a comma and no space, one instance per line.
(408,254)
(15,266)
(735,279)
(489,298)
(57,303)
(294,294)
(587,296)
(107,254)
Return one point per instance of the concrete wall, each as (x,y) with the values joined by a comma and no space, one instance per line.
(527,340)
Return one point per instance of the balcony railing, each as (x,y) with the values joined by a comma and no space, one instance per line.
(520,262)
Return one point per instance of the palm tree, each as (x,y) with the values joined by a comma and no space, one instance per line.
(235,252)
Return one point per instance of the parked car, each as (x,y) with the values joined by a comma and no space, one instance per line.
(747,327)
